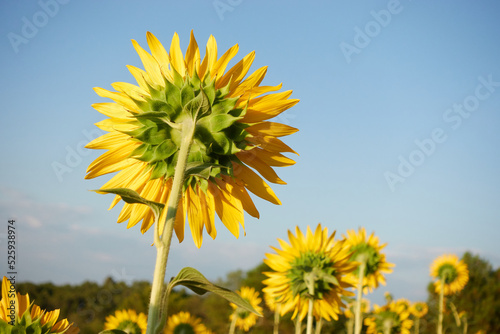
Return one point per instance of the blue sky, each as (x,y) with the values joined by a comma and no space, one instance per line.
(398,119)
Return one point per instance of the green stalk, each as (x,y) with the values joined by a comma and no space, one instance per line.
(310,316)
(276,317)
(417,325)
(440,317)
(233,322)
(357,311)
(387,326)
(163,242)
(350,326)
(298,325)
(319,324)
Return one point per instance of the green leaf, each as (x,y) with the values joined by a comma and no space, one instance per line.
(194,280)
(132,197)
(113,331)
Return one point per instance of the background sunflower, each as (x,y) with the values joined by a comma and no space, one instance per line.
(127,320)
(449,272)
(314,252)
(184,322)
(243,319)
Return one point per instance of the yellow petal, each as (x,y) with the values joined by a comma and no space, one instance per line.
(252,160)
(141,76)
(255,184)
(192,56)
(273,158)
(112,110)
(160,54)
(108,141)
(236,73)
(150,65)
(221,64)
(271,129)
(119,98)
(271,144)
(133,91)
(240,192)
(176,58)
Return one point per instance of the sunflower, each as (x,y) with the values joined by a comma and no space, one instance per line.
(16,311)
(184,322)
(419,309)
(314,254)
(390,318)
(369,251)
(128,321)
(231,140)
(245,319)
(450,271)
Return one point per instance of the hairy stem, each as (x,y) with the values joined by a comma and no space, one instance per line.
(357,312)
(155,312)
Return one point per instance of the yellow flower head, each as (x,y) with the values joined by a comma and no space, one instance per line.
(368,250)
(128,321)
(450,270)
(393,316)
(14,306)
(311,266)
(233,140)
(419,309)
(184,322)
(245,319)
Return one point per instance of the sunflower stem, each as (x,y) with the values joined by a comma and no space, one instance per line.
(357,312)
(298,325)
(232,328)
(155,312)
(319,324)
(387,326)
(277,311)
(310,316)
(417,325)
(440,316)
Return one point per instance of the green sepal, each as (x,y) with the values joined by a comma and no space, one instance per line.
(173,97)
(200,169)
(209,89)
(216,123)
(195,281)
(5,327)
(160,169)
(187,94)
(224,106)
(132,197)
(198,107)
(178,79)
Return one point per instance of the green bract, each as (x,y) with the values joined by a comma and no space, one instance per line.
(448,273)
(217,135)
(26,325)
(312,275)
(369,255)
